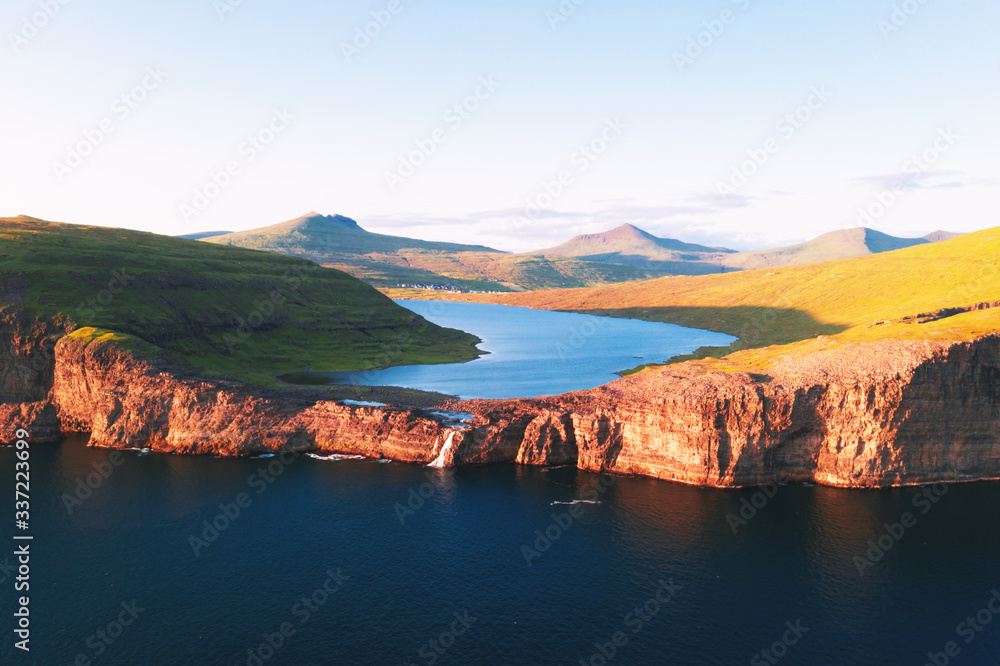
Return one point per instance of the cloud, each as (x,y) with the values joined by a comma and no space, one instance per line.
(927,180)
(688,218)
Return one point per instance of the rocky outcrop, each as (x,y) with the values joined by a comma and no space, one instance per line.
(27,363)
(857,414)
(125,401)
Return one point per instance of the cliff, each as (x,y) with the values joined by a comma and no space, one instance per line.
(858,415)
(855,414)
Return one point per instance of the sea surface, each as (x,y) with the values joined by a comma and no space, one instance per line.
(402,564)
(536,352)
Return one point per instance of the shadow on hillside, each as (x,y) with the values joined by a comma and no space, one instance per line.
(691,265)
(754,326)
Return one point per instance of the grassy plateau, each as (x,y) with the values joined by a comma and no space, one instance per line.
(211,309)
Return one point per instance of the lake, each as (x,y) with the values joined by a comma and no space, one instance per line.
(535,352)
(361,562)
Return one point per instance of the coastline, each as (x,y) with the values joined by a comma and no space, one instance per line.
(858,415)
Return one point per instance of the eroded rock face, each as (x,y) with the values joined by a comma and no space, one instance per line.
(27,363)
(128,402)
(859,415)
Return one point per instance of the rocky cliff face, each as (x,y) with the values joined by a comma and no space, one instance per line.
(862,415)
(859,415)
(27,363)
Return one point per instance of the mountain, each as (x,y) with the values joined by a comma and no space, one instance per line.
(388,261)
(631,246)
(624,254)
(209,309)
(841,244)
(325,238)
(930,291)
(203,234)
(938,236)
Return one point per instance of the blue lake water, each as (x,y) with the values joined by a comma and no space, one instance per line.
(536,352)
(404,574)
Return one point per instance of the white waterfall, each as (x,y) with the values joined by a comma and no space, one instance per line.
(448,443)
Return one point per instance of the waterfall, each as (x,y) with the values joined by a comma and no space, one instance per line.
(445,448)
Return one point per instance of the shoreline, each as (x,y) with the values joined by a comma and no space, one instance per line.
(865,415)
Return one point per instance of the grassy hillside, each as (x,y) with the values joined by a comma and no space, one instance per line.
(842,244)
(215,310)
(868,298)
(386,261)
(512,271)
(322,237)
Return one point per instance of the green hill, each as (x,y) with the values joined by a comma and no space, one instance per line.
(323,238)
(387,261)
(211,309)
(624,254)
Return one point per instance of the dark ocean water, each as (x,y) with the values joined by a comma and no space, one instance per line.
(536,352)
(391,577)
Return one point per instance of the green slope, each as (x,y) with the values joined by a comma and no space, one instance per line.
(326,237)
(215,310)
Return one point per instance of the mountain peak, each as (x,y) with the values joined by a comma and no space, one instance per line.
(629,230)
(312,219)
(939,235)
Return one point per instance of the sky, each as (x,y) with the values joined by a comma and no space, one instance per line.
(515,124)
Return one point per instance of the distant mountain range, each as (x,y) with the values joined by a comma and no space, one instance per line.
(388,261)
(623,254)
(204,234)
(631,246)
(841,244)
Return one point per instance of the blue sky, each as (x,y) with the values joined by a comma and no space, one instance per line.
(572,118)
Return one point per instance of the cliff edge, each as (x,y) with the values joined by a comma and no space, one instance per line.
(862,414)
